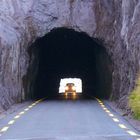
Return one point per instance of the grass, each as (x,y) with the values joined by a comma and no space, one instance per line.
(134,100)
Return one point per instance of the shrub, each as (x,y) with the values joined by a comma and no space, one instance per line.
(134,100)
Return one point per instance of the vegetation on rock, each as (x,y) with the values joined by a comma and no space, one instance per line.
(134,100)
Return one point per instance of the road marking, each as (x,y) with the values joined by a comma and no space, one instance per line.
(30,106)
(111,115)
(131,133)
(115,119)
(34,104)
(107,111)
(4,129)
(26,109)
(11,122)
(17,116)
(21,113)
(122,126)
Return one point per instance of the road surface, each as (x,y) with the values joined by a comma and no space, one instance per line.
(82,119)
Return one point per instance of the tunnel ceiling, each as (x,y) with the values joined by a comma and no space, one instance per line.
(116,23)
(65,52)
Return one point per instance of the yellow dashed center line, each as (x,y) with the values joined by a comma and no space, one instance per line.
(5,128)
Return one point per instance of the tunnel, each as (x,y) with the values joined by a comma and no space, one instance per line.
(66,53)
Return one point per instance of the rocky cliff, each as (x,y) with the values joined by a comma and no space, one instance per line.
(114,22)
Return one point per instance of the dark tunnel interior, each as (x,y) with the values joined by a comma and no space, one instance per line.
(65,53)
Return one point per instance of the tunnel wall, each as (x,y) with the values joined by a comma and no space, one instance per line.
(103,73)
(116,23)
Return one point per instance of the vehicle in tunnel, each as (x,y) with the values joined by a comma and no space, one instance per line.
(70,89)
(76,81)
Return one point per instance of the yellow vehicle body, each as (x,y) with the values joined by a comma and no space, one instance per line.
(70,89)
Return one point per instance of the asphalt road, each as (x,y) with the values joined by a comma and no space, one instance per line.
(80,119)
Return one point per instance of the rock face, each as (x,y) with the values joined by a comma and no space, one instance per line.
(115,23)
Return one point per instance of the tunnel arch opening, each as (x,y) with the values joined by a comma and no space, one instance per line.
(65,53)
(76,81)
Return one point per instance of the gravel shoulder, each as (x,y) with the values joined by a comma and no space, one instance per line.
(14,108)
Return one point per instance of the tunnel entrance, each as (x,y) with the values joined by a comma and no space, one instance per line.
(76,81)
(66,53)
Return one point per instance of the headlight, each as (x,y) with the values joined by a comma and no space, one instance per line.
(66,88)
(73,88)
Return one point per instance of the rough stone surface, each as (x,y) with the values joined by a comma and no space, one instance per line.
(114,22)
